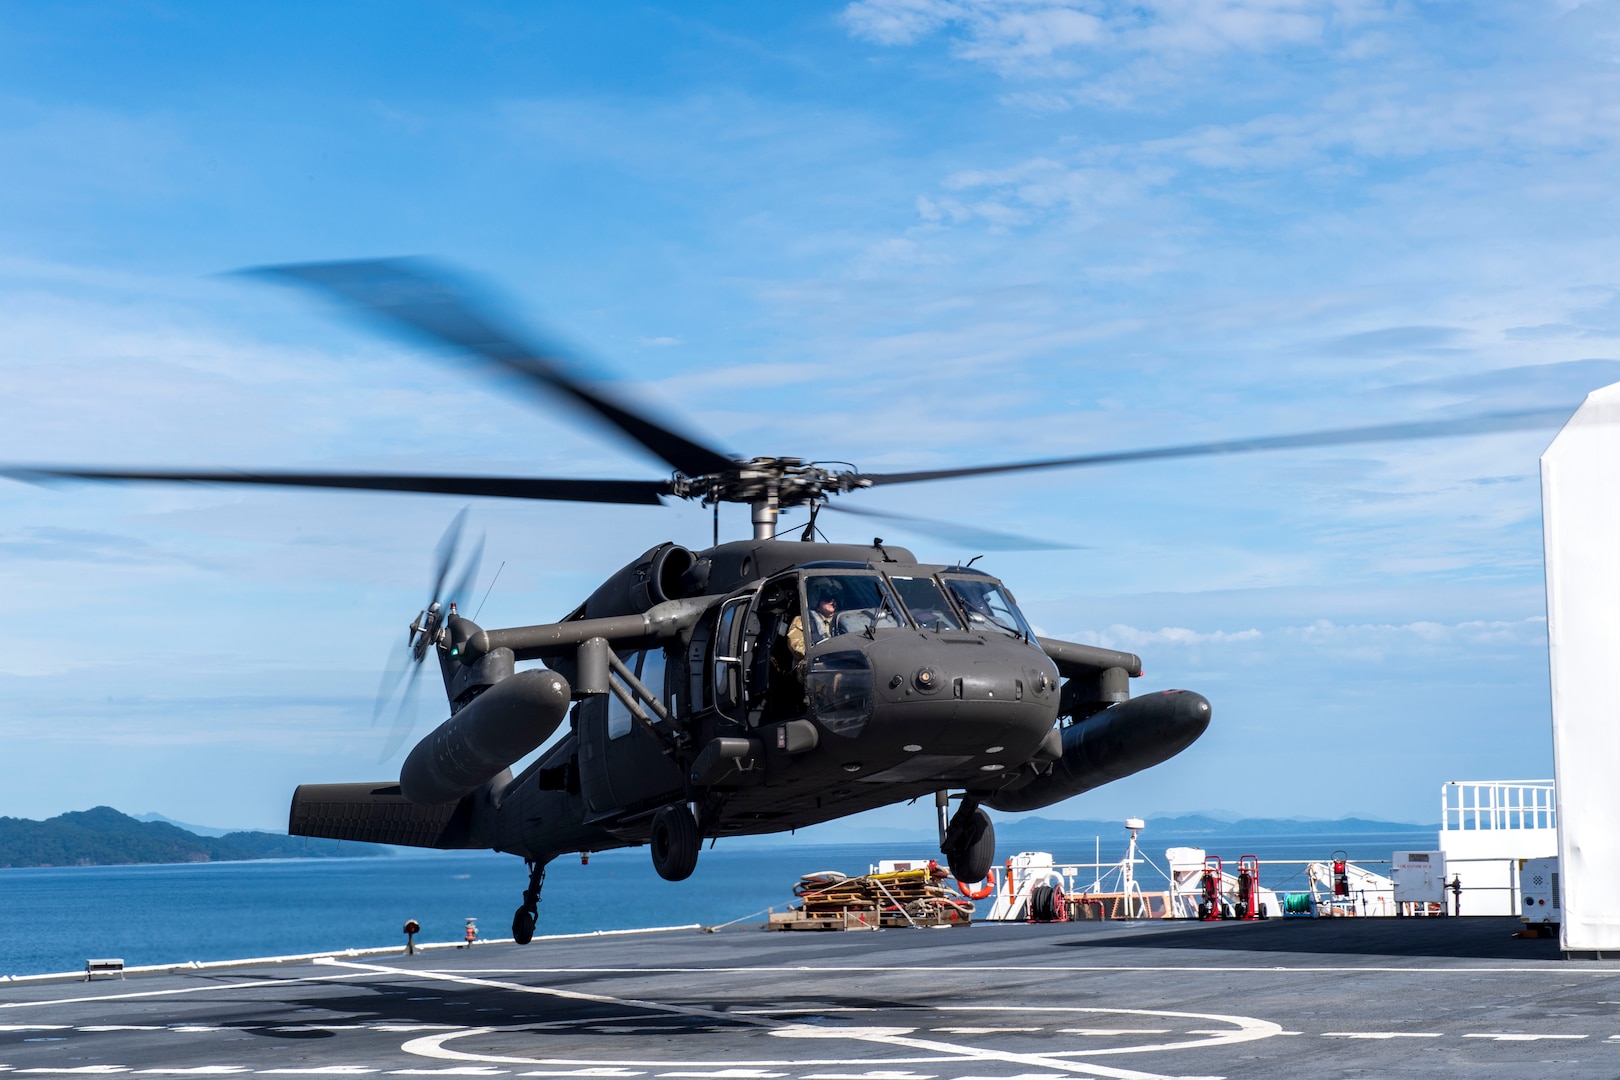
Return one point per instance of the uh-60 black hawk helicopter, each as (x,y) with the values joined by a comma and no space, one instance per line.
(757,686)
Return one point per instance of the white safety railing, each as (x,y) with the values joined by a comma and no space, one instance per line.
(1370,893)
(1477,805)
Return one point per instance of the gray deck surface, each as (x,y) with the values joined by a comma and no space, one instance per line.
(1297,998)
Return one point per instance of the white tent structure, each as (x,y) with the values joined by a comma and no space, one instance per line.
(1580,499)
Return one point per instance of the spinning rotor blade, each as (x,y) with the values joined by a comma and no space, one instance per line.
(1519,420)
(968,536)
(643,492)
(445,553)
(410,293)
(406,671)
(399,679)
(469,575)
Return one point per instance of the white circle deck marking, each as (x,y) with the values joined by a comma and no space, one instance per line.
(1238,1029)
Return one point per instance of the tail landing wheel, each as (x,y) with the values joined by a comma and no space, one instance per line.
(525,918)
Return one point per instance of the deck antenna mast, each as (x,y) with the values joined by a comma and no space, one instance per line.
(1135,903)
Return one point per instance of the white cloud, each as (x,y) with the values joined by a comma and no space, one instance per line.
(1383,636)
(1354,640)
(1044,37)
(1131,638)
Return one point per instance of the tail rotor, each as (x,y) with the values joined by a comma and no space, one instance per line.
(402,674)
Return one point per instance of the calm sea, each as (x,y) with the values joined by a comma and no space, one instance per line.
(54,919)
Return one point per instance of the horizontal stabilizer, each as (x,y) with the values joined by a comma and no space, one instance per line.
(376,813)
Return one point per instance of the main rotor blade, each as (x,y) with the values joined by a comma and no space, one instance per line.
(1518,420)
(969,536)
(413,294)
(640,492)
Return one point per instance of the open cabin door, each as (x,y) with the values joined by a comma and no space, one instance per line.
(727,661)
(740,670)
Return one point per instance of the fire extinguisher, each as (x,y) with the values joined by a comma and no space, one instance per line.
(1341,878)
(1249,887)
(1209,909)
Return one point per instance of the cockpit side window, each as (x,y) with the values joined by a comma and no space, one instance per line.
(927,604)
(846,604)
(989,607)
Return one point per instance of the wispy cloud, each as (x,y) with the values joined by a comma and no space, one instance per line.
(1355,641)
(1119,636)
(56,544)
(1024,37)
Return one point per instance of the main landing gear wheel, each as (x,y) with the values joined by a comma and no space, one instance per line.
(525,918)
(675,843)
(970,844)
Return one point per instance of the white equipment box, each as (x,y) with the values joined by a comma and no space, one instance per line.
(1419,877)
(1538,885)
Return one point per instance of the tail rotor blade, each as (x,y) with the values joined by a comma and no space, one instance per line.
(402,674)
(445,553)
(395,674)
(404,721)
(462,589)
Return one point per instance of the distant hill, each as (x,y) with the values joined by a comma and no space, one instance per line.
(1194,825)
(200,830)
(105,837)
(1039,830)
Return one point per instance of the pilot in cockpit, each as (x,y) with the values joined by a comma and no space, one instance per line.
(823,621)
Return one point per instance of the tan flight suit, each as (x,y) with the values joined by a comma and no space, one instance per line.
(821,630)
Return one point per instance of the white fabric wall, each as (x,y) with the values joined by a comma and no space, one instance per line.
(1580,500)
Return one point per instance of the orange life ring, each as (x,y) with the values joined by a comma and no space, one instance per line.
(989,887)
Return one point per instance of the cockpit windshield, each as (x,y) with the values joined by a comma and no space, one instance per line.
(846,604)
(988,606)
(926,603)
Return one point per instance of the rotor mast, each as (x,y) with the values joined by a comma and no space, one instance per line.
(765,509)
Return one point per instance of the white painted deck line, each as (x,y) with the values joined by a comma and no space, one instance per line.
(304,958)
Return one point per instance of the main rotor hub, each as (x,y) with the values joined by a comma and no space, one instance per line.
(768,485)
(789,481)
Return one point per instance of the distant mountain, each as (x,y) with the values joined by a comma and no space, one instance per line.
(105,837)
(1039,830)
(200,830)
(1195,825)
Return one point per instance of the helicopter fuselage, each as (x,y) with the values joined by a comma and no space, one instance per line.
(766,685)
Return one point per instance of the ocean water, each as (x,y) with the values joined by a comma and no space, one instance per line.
(53,919)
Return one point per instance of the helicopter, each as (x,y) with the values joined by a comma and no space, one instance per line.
(759,685)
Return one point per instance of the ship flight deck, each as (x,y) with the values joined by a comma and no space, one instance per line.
(1279,998)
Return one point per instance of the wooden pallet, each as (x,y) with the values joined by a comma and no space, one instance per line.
(903,898)
(796,919)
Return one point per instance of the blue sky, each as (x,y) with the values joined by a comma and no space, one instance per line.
(905,233)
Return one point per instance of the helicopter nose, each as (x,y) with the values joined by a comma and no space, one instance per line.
(990,702)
